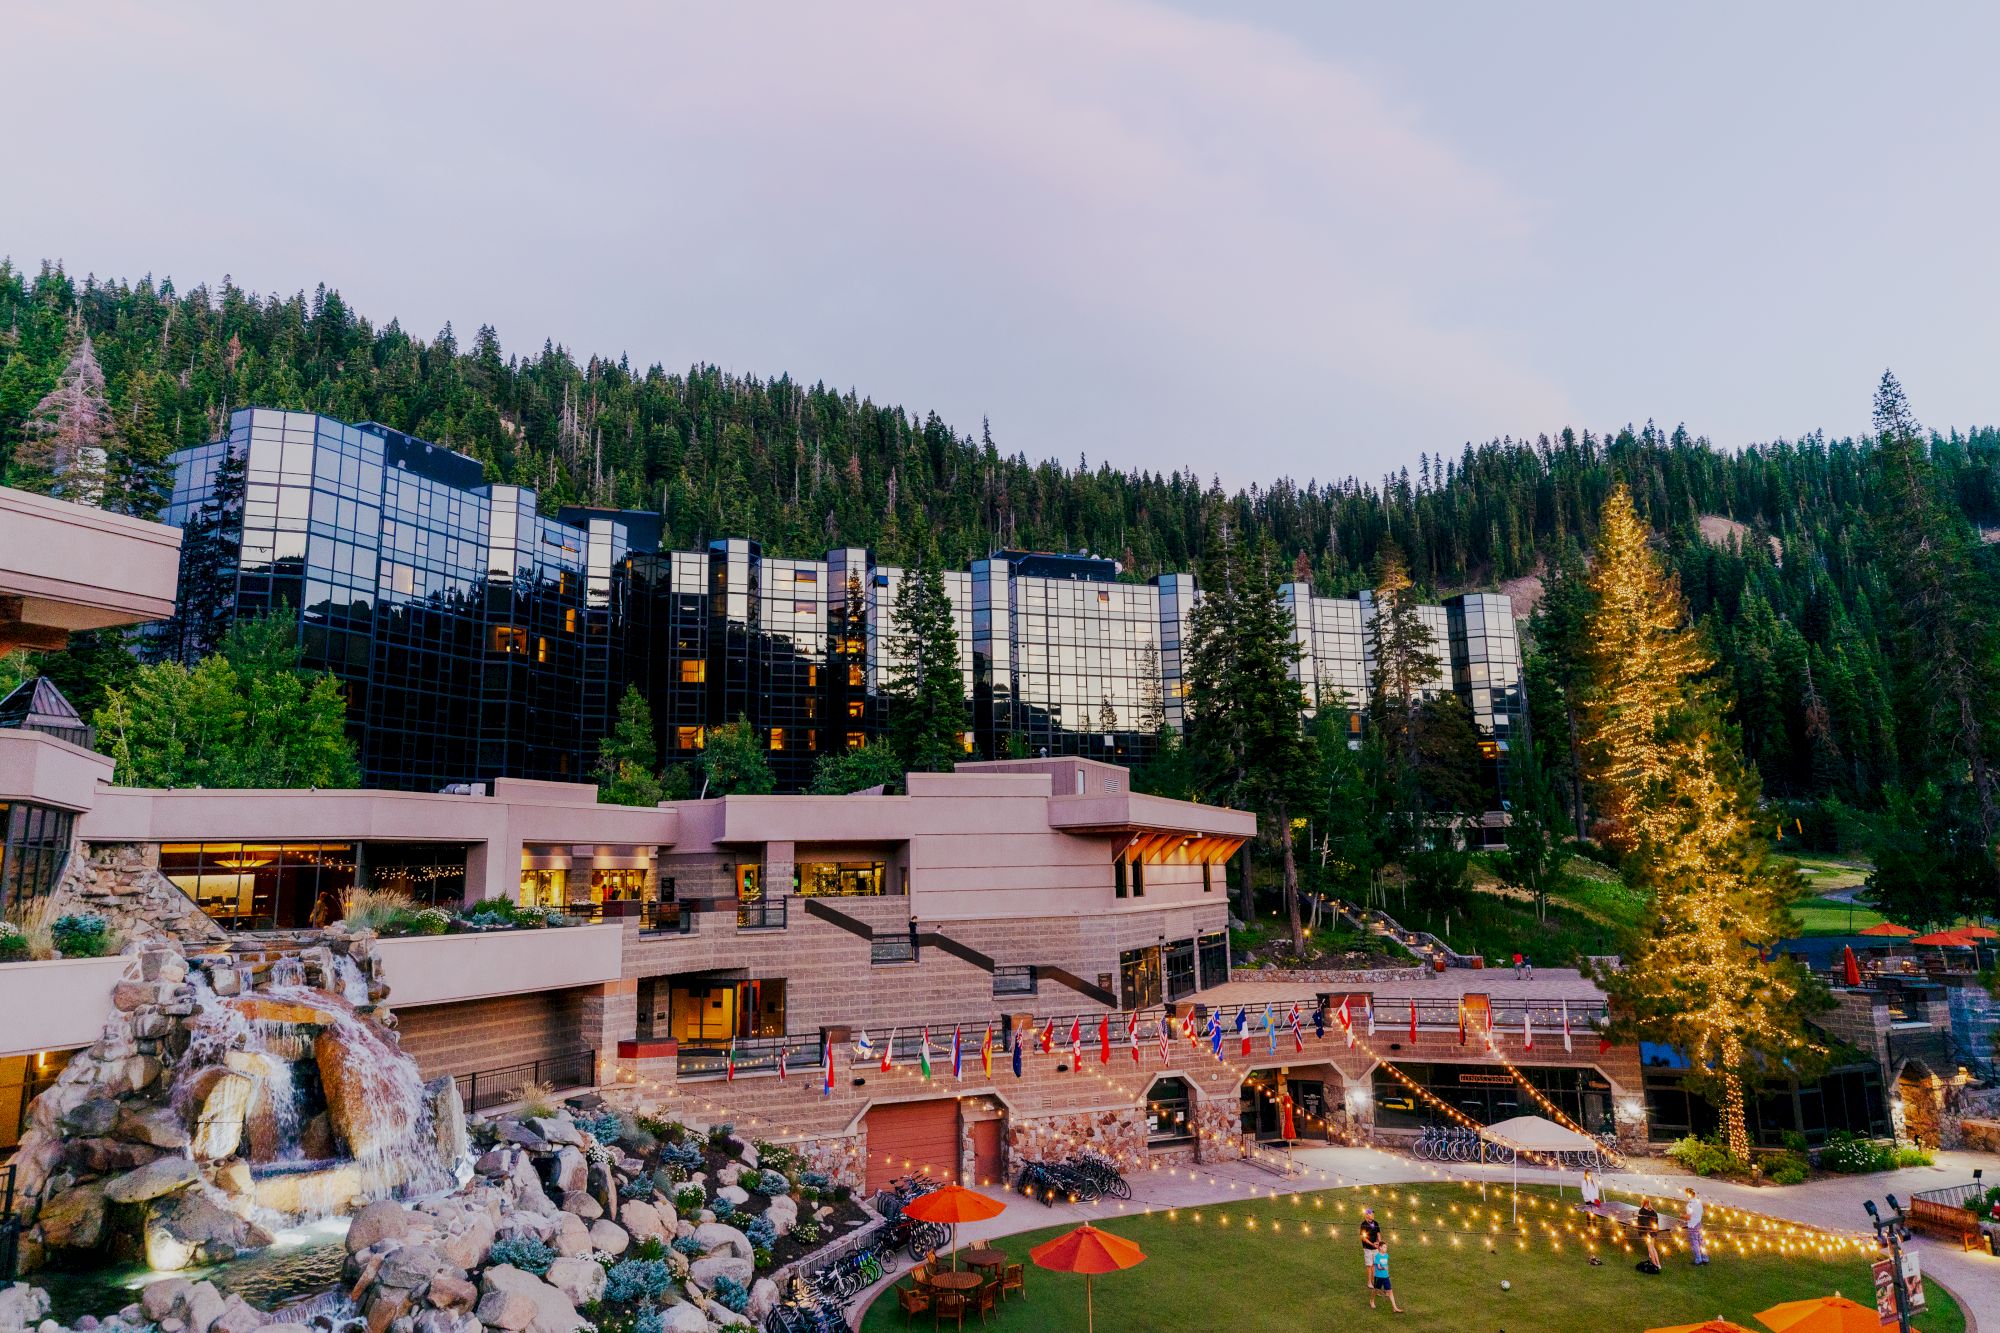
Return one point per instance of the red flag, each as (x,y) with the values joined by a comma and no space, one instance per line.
(1413,1020)
(1187,1027)
(1461,1022)
(888,1051)
(1132,1036)
(1049,1037)
(1166,1035)
(1076,1044)
(1104,1039)
(1287,1128)
(782,1053)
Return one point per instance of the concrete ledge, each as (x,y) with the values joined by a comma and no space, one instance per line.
(57,1005)
(438,969)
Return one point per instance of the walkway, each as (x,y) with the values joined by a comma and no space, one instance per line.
(1834,1204)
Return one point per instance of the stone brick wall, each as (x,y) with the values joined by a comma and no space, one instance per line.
(479,1035)
(122,883)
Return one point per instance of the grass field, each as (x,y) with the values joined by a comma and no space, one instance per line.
(1295,1263)
(1829,916)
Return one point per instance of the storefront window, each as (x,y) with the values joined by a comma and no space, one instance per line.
(262,885)
(1214,950)
(1139,977)
(720,1012)
(33,841)
(749,883)
(842,879)
(429,872)
(617,886)
(1180,970)
(544,888)
(1169,1111)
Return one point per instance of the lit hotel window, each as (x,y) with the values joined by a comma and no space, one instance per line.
(777,738)
(694,670)
(688,738)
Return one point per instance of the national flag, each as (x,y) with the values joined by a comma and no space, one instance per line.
(1319,1022)
(1104,1039)
(864,1049)
(827,1089)
(1566,1045)
(1298,1032)
(1603,1037)
(1166,1038)
(1214,1032)
(1076,1044)
(1049,1038)
(1132,1036)
(729,1063)
(1017,1057)
(1270,1031)
(1187,1026)
(783,1055)
(889,1051)
(1527,1030)
(1347,1021)
(1461,1022)
(986,1052)
(957,1054)
(924,1056)
(1243,1028)
(1370,1002)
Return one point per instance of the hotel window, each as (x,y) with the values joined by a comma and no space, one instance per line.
(544,888)
(694,670)
(34,839)
(688,738)
(749,882)
(841,879)
(569,619)
(508,639)
(1139,977)
(805,576)
(263,885)
(1169,1112)
(1207,877)
(856,739)
(617,886)
(855,707)
(855,675)
(812,675)
(777,738)
(541,648)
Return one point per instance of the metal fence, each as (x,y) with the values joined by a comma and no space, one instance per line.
(496,1087)
(761,914)
(10,1226)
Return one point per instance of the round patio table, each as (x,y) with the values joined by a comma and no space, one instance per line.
(950,1281)
(983,1259)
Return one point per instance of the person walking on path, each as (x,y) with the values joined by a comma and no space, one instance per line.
(1371,1245)
(1694,1212)
(1517,966)
(1379,1281)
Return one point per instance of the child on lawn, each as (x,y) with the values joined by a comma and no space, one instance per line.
(1381,1261)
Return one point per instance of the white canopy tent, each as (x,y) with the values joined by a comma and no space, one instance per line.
(1533,1134)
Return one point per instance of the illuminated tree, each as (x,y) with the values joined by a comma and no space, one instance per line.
(1643,662)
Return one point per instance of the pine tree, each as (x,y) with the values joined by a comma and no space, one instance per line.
(871,765)
(1557,672)
(1643,659)
(927,713)
(733,761)
(1538,817)
(68,439)
(626,758)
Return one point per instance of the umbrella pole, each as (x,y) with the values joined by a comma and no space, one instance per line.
(1517,1190)
(1089,1309)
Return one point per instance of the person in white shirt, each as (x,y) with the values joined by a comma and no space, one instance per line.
(1692,1215)
(1593,1198)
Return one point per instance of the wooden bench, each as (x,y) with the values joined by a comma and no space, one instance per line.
(1946,1222)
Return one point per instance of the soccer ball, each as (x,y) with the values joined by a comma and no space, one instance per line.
(1505,1285)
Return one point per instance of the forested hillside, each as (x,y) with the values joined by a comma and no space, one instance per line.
(1800,609)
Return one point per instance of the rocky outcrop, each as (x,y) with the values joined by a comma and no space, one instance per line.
(122,883)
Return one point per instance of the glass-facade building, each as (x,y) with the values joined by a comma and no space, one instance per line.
(480,637)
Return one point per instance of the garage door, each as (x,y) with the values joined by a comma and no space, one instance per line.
(910,1137)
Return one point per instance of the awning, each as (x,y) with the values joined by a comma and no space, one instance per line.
(1531,1133)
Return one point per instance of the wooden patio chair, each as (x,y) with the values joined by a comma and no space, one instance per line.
(1014,1278)
(986,1295)
(912,1301)
(949,1304)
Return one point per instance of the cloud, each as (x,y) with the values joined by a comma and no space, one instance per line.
(1160,238)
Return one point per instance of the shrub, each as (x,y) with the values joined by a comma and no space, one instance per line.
(633,1279)
(760,1257)
(640,1187)
(1914,1157)
(807,1232)
(722,1208)
(808,1196)
(1706,1157)
(777,1157)
(761,1232)
(815,1180)
(13,944)
(604,1126)
(666,1131)
(733,1295)
(772,1183)
(842,1193)
(689,1200)
(374,909)
(649,1320)
(523,1252)
(1785,1168)
(683,1156)
(718,1135)
(1850,1154)
(652,1247)
(687,1245)
(82,935)
(537,1100)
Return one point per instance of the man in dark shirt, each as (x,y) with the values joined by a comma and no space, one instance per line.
(1371,1241)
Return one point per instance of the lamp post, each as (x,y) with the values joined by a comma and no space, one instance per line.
(1890,1233)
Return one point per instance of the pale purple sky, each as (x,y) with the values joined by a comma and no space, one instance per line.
(1305,240)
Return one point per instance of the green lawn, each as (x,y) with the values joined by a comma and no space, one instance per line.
(1287,1273)
(1829,916)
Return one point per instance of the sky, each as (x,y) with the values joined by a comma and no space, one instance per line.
(1292,239)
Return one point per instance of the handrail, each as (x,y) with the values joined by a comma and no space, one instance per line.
(930,939)
(1090,990)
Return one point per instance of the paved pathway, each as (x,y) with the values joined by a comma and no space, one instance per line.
(1834,1204)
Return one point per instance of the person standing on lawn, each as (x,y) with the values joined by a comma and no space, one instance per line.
(1593,1197)
(1379,1266)
(1371,1245)
(1693,1213)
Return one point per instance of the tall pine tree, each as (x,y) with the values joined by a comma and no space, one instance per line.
(927,713)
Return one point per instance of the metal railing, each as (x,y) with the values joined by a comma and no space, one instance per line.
(891,949)
(1015,980)
(495,1087)
(754,1055)
(761,914)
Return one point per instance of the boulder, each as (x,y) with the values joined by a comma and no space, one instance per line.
(164,1176)
(763,1300)
(364,1116)
(736,1194)
(453,1293)
(235,1178)
(684,1318)
(729,1173)
(572,1235)
(581,1279)
(468,1248)
(92,1118)
(445,1321)
(218,1129)
(553,1311)
(513,1131)
(783,1213)
(585,1207)
(316,1139)
(572,1172)
(107,1156)
(704,1271)
(643,1220)
(157,1126)
(204,1306)
(749,1155)
(558,1129)
(448,1132)
(495,1163)
(411,1267)
(609,1237)
(186,1228)
(509,1311)
(384,1219)
(720,1237)
(22,1307)
(237,1317)
(74,1218)
(158,1299)
(386,1305)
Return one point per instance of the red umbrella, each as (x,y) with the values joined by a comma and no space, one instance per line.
(1945,939)
(1850,966)
(1889,928)
(1979,933)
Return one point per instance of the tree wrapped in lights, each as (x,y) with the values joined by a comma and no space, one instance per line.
(1682,802)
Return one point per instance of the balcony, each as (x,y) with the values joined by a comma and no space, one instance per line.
(440,969)
(56,1005)
(760,914)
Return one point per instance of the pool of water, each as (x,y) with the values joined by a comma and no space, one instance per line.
(303,1262)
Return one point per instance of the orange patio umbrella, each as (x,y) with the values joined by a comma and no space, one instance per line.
(1088,1251)
(1948,939)
(1979,933)
(1821,1314)
(953,1204)
(1715,1325)
(1889,928)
